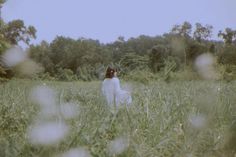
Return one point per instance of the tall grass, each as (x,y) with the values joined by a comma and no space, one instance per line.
(181,118)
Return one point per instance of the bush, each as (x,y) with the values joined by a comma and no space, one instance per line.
(186,74)
(228,72)
(65,75)
(157,57)
(227,55)
(2,80)
(195,49)
(45,76)
(86,73)
(142,76)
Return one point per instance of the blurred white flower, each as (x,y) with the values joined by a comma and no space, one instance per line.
(197,121)
(69,110)
(117,146)
(28,68)
(76,152)
(14,56)
(43,95)
(47,133)
(204,60)
(205,66)
(127,87)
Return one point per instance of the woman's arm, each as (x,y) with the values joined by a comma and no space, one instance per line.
(116,84)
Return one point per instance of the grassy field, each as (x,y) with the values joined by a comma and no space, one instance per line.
(176,119)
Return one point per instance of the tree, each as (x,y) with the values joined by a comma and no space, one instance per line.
(82,56)
(157,57)
(15,31)
(183,30)
(10,34)
(41,54)
(228,35)
(202,32)
(142,43)
(2,1)
(120,39)
(227,55)
(132,61)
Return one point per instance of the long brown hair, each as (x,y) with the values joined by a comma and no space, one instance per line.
(110,72)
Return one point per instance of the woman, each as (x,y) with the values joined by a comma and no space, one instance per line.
(115,96)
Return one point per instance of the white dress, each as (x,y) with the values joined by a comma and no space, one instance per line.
(114,94)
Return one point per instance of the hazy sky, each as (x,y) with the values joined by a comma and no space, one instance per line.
(105,20)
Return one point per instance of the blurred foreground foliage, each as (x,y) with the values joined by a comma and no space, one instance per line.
(181,118)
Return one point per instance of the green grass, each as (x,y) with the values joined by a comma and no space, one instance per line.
(156,125)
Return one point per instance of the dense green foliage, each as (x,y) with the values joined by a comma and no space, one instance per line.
(88,58)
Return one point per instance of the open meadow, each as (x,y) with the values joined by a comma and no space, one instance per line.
(176,119)
(117,78)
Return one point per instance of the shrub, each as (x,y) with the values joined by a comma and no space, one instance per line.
(186,74)
(227,55)
(142,76)
(65,75)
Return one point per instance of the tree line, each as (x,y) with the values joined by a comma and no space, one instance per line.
(86,59)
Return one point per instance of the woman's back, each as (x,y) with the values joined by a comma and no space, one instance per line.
(109,88)
(113,93)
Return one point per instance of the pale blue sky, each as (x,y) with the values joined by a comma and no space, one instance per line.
(105,20)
